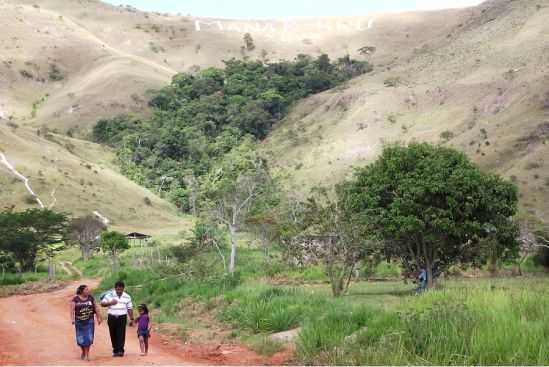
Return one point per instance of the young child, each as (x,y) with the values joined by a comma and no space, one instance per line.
(144,325)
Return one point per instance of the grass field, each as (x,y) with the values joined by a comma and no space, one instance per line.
(465,321)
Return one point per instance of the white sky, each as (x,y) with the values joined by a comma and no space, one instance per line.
(444,4)
(277,9)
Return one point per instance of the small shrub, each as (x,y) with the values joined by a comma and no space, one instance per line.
(13,125)
(392,81)
(30,199)
(26,74)
(155,47)
(446,135)
(55,73)
(147,201)
(69,146)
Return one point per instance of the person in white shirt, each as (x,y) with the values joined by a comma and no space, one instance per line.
(120,306)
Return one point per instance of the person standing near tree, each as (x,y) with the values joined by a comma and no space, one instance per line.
(120,307)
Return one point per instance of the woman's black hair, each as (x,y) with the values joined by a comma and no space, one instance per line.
(144,308)
(80,289)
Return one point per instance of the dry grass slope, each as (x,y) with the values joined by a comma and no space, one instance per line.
(483,89)
(78,178)
(109,56)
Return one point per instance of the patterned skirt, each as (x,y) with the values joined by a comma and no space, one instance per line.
(84,332)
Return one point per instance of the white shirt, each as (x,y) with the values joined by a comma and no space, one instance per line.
(122,306)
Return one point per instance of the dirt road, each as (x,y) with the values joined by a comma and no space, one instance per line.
(36,330)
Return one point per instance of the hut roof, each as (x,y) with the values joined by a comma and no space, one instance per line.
(136,235)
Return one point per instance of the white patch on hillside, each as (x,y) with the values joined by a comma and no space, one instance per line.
(26,180)
(105,220)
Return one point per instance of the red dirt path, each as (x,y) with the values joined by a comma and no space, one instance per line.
(36,330)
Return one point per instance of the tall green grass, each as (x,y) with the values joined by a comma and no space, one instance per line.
(471,322)
(461,324)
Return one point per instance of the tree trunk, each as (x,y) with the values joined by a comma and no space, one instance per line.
(349,279)
(339,284)
(330,270)
(430,280)
(428,258)
(114,263)
(520,264)
(51,270)
(232,229)
(222,257)
(493,267)
(85,251)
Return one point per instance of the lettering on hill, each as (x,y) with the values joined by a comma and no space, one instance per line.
(286,30)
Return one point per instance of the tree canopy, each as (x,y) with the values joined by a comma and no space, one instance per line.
(28,233)
(113,243)
(201,116)
(432,206)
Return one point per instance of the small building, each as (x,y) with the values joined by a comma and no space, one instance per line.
(134,236)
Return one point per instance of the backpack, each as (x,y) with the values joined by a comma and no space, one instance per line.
(103,294)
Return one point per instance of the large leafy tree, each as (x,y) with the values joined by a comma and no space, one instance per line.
(432,206)
(29,233)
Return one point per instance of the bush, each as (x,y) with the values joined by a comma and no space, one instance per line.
(446,135)
(26,74)
(55,73)
(30,199)
(541,257)
(155,47)
(392,81)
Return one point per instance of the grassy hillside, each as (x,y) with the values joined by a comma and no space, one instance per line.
(109,56)
(473,78)
(77,177)
(483,89)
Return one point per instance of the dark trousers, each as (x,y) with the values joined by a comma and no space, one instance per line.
(117,330)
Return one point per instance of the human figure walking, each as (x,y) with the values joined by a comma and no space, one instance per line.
(83,311)
(120,307)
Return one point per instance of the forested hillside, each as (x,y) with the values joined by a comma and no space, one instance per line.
(202,116)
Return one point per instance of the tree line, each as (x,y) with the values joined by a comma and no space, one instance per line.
(35,235)
(427,207)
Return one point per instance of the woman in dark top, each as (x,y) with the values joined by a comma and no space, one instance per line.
(83,309)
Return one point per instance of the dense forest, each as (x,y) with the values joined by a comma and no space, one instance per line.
(201,116)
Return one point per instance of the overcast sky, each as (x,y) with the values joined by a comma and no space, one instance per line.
(280,9)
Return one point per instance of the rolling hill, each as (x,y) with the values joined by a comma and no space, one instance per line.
(483,89)
(473,78)
(77,177)
(109,56)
